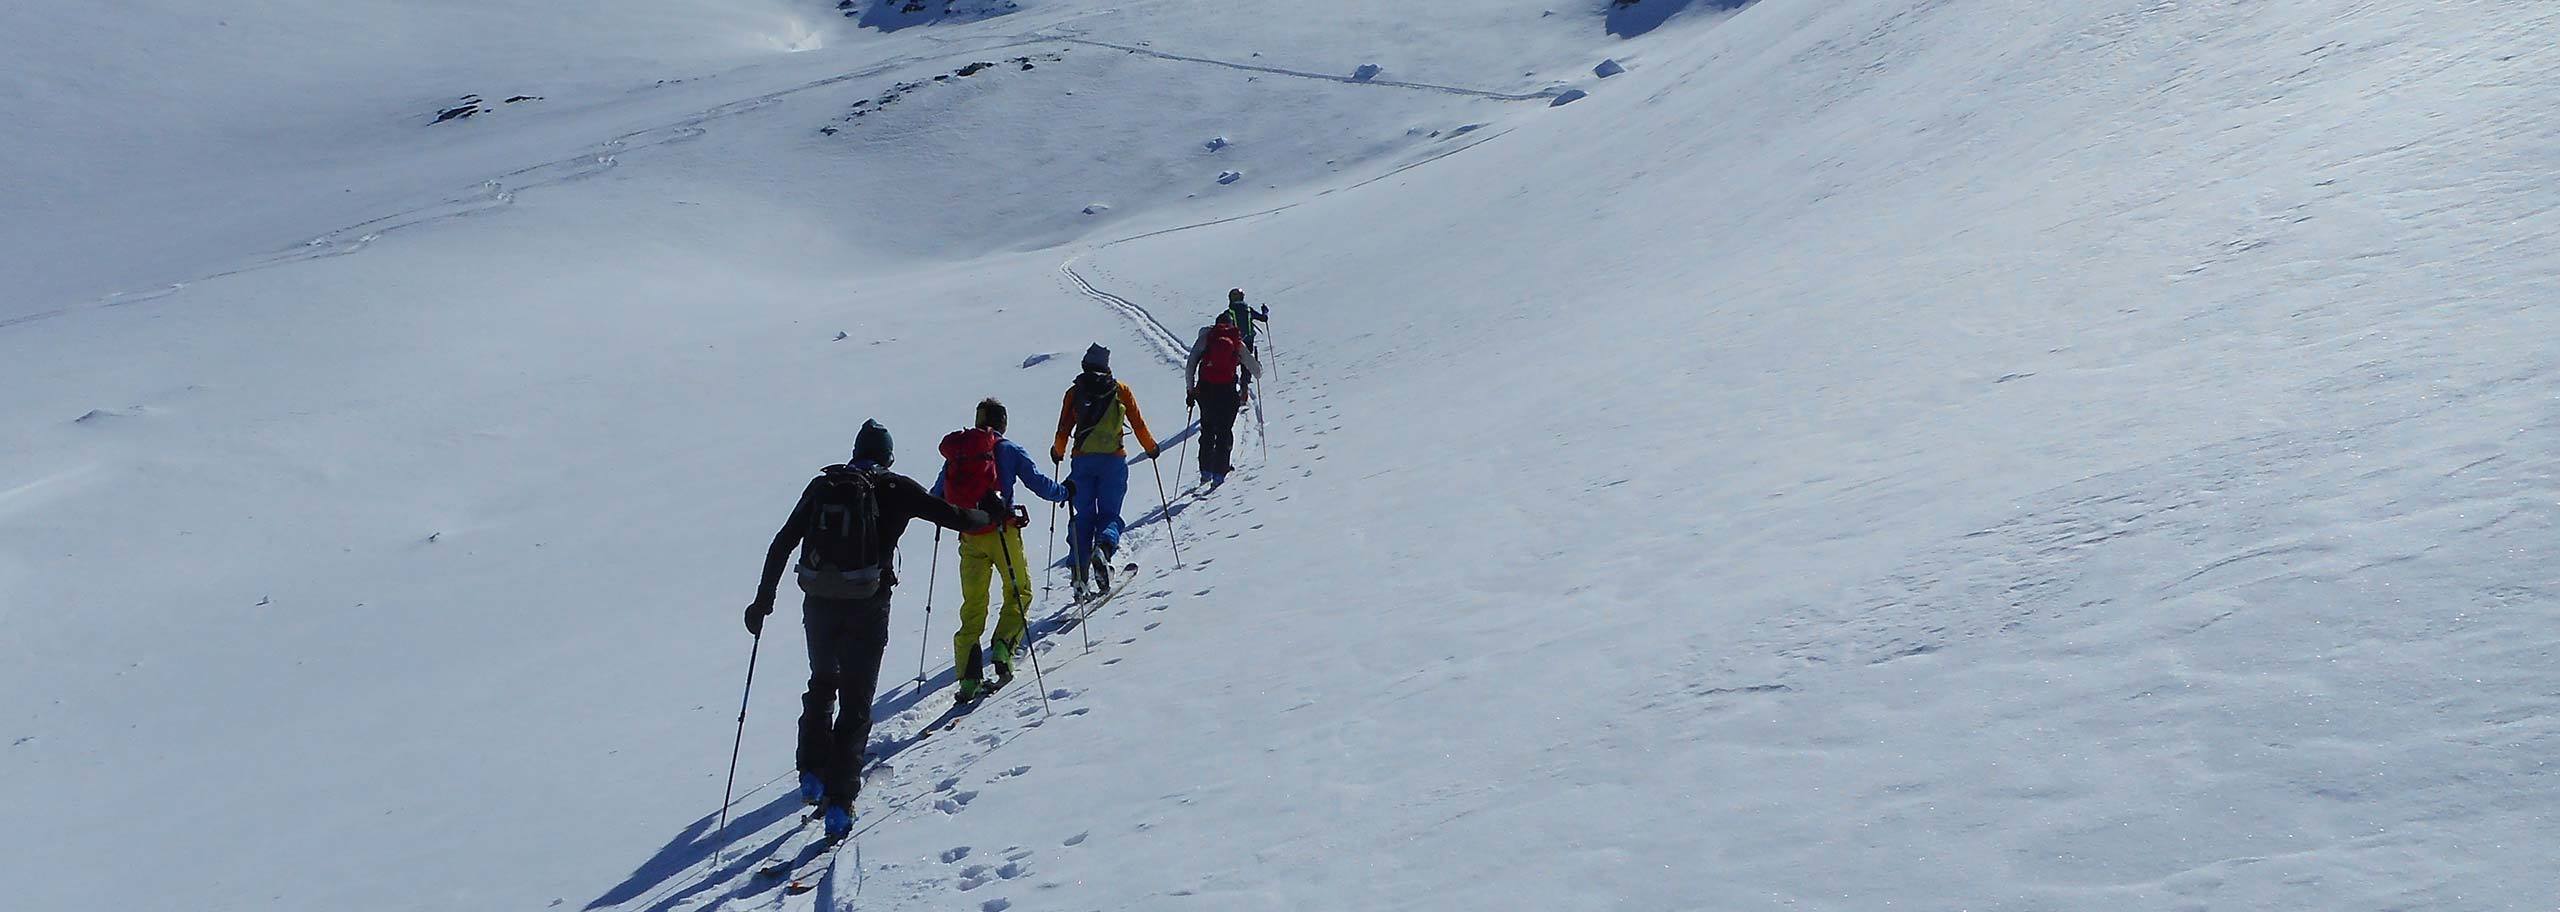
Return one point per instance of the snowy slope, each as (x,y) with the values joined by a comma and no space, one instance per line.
(1880,453)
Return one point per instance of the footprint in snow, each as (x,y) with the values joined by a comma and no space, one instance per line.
(1078,839)
(995,905)
(953,854)
(1154,625)
(973,877)
(956,802)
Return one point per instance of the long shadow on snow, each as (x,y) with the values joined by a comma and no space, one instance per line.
(691,846)
(1630,18)
(686,851)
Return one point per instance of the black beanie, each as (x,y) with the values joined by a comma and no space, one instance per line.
(1097,359)
(872,444)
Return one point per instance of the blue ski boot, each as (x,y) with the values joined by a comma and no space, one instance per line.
(813,789)
(839,821)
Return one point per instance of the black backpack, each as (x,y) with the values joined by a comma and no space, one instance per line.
(1094,395)
(840,557)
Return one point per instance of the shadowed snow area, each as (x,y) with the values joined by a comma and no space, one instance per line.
(1857,455)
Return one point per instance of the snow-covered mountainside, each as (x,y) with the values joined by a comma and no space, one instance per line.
(1854,455)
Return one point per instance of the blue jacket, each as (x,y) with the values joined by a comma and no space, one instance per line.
(1013,464)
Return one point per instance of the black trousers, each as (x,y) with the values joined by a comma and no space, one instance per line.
(1219,403)
(846,639)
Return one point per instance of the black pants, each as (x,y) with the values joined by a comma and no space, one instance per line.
(846,639)
(1219,403)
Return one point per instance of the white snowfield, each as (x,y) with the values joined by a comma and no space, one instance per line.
(1867,454)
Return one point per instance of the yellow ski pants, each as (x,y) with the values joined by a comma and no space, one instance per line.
(1000,550)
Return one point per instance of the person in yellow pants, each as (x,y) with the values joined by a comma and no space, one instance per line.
(1000,550)
(976,462)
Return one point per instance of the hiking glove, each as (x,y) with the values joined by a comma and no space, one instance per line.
(1057,455)
(756,612)
(1069,486)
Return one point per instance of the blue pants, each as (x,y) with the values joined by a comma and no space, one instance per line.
(1102,483)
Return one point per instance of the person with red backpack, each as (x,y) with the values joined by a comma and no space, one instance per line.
(978,463)
(1219,375)
(846,527)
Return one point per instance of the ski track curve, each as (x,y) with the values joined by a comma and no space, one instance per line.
(1541,95)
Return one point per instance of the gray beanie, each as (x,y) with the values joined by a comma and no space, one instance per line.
(1097,359)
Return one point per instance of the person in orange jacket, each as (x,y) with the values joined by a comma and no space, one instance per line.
(1097,411)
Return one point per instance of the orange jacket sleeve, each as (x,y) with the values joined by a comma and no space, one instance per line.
(1066,425)
(1129,404)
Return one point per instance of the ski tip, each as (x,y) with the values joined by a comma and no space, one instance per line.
(797,887)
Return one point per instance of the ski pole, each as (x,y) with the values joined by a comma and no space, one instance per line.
(1038,679)
(1004,551)
(1169,534)
(924,640)
(1194,425)
(728,793)
(1049,574)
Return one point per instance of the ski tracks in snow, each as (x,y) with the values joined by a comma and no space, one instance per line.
(1353,79)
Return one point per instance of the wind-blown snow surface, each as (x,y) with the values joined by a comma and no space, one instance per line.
(1879,453)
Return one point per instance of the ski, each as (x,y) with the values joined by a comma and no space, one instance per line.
(794,870)
(1088,604)
(776,870)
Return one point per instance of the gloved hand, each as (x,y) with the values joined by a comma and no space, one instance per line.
(1190,399)
(1152,452)
(756,612)
(1057,455)
(1265,314)
(994,505)
(1070,487)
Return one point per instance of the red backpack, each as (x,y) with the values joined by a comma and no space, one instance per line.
(969,470)
(1218,363)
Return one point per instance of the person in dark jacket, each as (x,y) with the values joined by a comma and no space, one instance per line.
(846,527)
(1245,317)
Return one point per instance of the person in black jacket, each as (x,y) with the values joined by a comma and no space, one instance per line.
(846,527)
